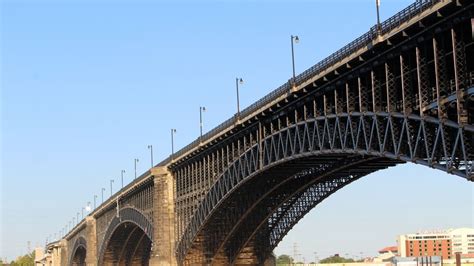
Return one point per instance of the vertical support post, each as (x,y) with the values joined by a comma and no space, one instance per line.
(362,99)
(163,218)
(374,92)
(260,145)
(336,107)
(391,93)
(421,84)
(348,99)
(325,105)
(459,78)
(404,89)
(441,109)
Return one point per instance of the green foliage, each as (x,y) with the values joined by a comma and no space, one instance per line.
(26,260)
(284,260)
(336,259)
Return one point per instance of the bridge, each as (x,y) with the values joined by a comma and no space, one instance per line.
(402,92)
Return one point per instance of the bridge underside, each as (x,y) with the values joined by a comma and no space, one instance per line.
(79,258)
(129,245)
(258,214)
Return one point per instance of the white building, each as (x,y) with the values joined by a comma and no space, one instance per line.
(463,240)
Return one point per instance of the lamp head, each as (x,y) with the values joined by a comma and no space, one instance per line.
(297,39)
(241,81)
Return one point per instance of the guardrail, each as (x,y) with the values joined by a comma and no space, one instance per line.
(393,22)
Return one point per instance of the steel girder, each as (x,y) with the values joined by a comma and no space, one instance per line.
(382,135)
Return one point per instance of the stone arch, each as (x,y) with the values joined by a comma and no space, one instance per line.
(79,252)
(128,239)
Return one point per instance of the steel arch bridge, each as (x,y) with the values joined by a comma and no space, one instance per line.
(400,93)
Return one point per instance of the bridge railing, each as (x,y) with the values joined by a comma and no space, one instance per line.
(388,25)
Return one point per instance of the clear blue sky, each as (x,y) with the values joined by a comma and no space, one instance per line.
(87,85)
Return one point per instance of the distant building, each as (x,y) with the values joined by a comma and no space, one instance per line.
(444,243)
(386,254)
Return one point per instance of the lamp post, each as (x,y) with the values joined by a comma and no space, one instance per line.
(237,81)
(103,189)
(150,147)
(82,211)
(121,176)
(95,202)
(135,161)
(294,39)
(173,131)
(201,110)
(111,183)
(379,28)
(88,207)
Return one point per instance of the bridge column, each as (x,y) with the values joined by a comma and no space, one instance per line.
(163,218)
(63,252)
(56,255)
(91,240)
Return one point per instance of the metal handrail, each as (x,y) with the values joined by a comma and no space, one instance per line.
(388,25)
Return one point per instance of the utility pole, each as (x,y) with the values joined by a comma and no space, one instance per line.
(295,253)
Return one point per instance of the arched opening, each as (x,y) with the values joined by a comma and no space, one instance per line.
(254,217)
(79,258)
(375,210)
(128,245)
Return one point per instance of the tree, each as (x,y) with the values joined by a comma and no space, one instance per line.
(26,260)
(336,259)
(284,260)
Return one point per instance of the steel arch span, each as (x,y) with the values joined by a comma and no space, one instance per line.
(283,170)
(127,240)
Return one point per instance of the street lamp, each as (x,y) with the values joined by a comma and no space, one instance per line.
(111,183)
(121,175)
(150,147)
(379,28)
(88,207)
(95,202)
(135,161)
(82,211)
(173,131)
(201,110)
(294,39)
(237,81)
(103,189)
